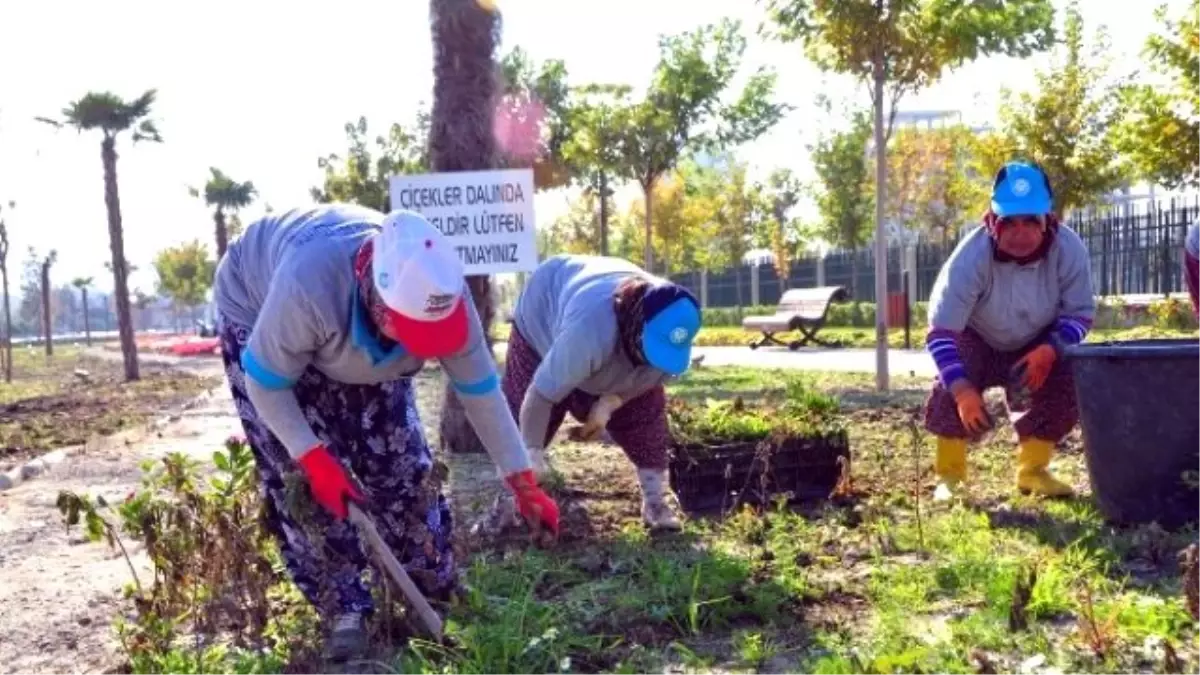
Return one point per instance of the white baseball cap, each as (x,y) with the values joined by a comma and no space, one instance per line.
(420,279)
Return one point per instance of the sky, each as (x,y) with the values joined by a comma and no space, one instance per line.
(262,93)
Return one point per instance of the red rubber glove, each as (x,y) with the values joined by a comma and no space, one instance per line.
(1033,368)
(328,481)
(538,509)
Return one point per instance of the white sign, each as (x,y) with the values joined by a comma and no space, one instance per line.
(486,215)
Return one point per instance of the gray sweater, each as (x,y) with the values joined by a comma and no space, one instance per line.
(566,314)
(1009,304)
(290,279)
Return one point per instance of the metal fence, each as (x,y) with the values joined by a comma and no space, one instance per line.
(1134,248)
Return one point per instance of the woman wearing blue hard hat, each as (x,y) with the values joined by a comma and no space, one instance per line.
(1013,294)
(597,337)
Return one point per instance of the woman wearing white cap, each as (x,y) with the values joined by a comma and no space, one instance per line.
(598,337)
(324,313)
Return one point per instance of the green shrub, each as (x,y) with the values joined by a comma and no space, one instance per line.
(1172,314)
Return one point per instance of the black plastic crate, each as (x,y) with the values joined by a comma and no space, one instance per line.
(716,478)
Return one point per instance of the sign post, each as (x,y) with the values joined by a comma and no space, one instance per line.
(486,215)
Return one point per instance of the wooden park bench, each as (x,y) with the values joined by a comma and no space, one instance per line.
(800,309)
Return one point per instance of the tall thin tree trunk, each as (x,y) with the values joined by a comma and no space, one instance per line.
(648,193)
(881,333)
(603,213)
(7,326)
(222,232)
(87,327)
(116,239)
(465,34)
(47,320)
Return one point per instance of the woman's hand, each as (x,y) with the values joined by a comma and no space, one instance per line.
(1033,368)
(328,482)
(534,505)
(971,410)
(598,418)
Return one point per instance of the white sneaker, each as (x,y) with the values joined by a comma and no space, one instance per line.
(658,515)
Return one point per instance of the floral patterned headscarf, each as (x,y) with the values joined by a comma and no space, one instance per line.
(628,301)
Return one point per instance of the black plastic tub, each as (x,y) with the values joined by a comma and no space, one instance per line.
(1139,410)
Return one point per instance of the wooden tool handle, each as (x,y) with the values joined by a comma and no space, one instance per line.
(429,617)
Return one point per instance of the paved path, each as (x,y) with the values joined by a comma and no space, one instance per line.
(900,361)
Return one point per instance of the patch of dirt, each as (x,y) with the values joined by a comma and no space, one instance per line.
(72,409)
(71,586)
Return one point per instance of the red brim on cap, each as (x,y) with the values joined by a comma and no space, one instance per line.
(431,339)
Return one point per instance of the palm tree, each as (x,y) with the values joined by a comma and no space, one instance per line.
(47,320)
(226,195)
(112,115)
(82,284)
(7,309)
(465,34)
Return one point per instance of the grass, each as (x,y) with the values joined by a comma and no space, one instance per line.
(881,581)
(48,406)
(727,336)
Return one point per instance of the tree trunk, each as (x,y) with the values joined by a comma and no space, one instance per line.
(116,240)
(47,321)
(603,213)
(222,232)
(881,346)
(7,326)
(87,326)
(465,35)
(648,192)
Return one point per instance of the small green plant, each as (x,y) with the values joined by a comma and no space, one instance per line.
(217,599)
(805,411)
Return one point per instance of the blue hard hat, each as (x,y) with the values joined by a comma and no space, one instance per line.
(1021,189)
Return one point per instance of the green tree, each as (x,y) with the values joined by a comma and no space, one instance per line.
(226,196)
(899,47)
(7,300)
(362,175)
(576,231)
(783,232)
(932,185)
(83,283)
(113,115)
(683,109)
(185,274)
(741,210)
(844,199)
(533,119)
(1160,135)
(1066,125)
(593,150)
(461,138)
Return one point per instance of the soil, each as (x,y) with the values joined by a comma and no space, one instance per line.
(74,587)
(77,398)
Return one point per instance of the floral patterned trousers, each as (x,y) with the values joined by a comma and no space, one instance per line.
(1049,414)
(374,430)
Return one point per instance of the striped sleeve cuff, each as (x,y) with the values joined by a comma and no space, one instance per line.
(942,345)
(1071,330)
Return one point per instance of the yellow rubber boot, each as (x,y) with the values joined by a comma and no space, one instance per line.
(1033,473)
(950,465)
